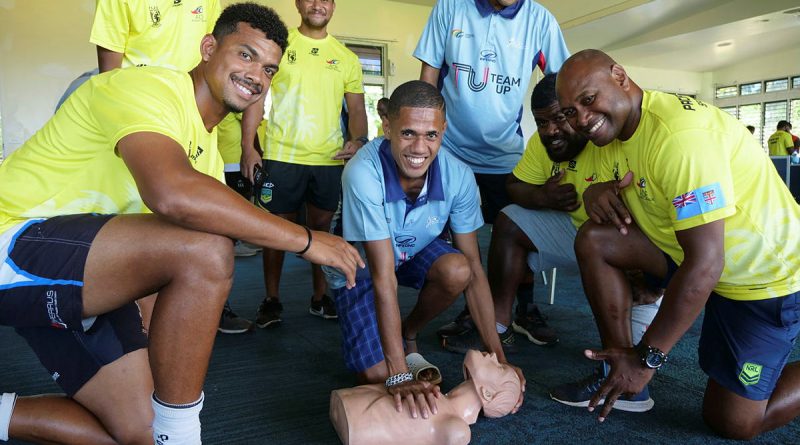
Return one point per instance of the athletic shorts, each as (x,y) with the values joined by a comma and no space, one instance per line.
(239,184)
(553,234)
(361,340)
(288,186)
(493,192)
(41,284)
(744,345)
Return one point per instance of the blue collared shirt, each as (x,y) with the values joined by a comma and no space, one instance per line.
(486,58)
(375,207)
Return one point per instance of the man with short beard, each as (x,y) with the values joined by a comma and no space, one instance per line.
(304,152)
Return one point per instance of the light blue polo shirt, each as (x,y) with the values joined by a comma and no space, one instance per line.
(375,207)
(486,59)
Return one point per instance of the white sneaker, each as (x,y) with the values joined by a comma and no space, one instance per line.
(241,249)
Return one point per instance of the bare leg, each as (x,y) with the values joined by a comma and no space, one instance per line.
(136,255)
(318,219)
(273,264)
(447,278)
(735,417)
(56,419)
(507,266)
(603,256)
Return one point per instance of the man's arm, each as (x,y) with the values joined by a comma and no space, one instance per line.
(171,188)
(251,119)
(356,125)
(108,60)
(387,310)
(684,298)
(550,195)
(429,74)
(479,300)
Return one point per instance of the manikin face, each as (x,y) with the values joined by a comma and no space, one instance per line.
(559,139)
(315,14)
(594,100)
(240,66)
(498,385)
(416,136)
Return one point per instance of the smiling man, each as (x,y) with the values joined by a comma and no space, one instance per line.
(711,212)
(399,193)
(79,244)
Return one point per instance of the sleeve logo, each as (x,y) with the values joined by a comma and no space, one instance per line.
(701,200)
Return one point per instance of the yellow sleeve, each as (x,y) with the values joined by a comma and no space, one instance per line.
(214,11)
(533,168)
(111,25)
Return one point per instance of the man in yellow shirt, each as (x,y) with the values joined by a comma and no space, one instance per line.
(712,213)
(78,243)
(305,150)
(780,143)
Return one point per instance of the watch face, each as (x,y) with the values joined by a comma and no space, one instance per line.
(654,360)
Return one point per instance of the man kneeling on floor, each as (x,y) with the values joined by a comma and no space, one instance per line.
(398,197)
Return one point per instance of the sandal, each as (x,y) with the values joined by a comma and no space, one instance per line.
(419,367)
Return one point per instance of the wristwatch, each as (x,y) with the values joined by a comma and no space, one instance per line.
(651,357)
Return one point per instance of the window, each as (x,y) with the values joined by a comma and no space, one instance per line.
(796,82)
(731,110)
(747,89)
(373,66)
(723,92)
(794,111)
(773,112)
(751,115)
(776,85)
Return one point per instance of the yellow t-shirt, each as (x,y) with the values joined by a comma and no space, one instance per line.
(304,123)
(535,167)
(154,32)
(70,166)
(694,164)
(229,138)
(779,142)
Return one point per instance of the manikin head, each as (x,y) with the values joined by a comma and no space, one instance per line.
(497,384)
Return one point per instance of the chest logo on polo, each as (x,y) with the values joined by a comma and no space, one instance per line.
(177,2)
(502,83)
(196,154)
(591,179)
(333,64)
(460,34)
(405,241)
(555,169)
(291,56)
(489,55)
(197,14)
(642,185)
(751,374)
(314,51)
(155,16)
(572,165)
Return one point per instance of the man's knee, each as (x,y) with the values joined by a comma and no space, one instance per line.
(211,256)
(133,433)
(452,271)
(730,415)
(731,427)
(591,238)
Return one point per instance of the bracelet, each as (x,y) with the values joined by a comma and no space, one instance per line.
(399,378)
(305,249)
(362,139)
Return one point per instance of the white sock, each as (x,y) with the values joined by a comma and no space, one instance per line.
(641,317)
(177,424)
(7,402)
(501,328)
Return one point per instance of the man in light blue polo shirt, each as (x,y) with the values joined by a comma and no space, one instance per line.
(481,55)
(398,195)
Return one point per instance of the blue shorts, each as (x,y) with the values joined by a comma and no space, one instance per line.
(41,296)
(744,345)
(361,340)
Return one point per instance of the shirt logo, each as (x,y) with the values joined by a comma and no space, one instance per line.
(196,154)
(458,34)
(591,178)
(698,201)
(197,10)
(177,2)
(516,44)
(155,16)
(405,241)
(502,83)
(488,55)
(333,64)
(572,165)
(642,184)
(291,56)
(431,221)
(314,51)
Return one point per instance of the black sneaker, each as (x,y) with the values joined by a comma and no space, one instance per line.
(269,313)
(581,392)
(323,308)
(461,325)
(472,340)
(230,323)
(534,326)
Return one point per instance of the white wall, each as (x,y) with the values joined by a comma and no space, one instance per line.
(780,64)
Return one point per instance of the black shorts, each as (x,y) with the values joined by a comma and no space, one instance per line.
(493,194)
(288,186)
(240,184)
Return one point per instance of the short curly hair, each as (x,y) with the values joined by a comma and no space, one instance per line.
(258,16)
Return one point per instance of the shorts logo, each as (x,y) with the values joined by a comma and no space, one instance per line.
(266,192)
(751,374)
(55,376)
(52,310)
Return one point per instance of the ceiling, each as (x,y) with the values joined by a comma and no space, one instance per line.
(676,34)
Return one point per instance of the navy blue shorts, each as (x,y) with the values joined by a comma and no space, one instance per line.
(744,345)
(41,296)
(361,340)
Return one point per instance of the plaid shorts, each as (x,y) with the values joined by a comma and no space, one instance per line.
(361,340)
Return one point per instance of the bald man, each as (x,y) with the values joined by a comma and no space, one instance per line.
(712,214)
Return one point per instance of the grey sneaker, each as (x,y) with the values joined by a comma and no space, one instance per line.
(269,313)
(324,308)
(230,323)
(472,340)
(534,326)
(243,249)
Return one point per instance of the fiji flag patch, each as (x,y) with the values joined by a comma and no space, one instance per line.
(701,200)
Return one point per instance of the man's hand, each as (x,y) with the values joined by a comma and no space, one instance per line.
(348,151)
(560,196)
(420,397)
(250,158)
(627,376)
(604,205)
(330,250)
